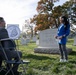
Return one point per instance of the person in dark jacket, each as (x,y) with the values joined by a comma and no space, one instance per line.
(63,32)
(10,53)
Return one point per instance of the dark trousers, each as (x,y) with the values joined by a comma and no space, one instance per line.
(11,55)
(63,51)
(0,61)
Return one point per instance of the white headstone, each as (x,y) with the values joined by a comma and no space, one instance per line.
(34,38)
(23,41)
(75,40)
(46,38)
(37,42)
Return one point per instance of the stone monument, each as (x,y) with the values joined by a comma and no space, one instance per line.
(47,42)
(34,38)
(23,41)
(75,40)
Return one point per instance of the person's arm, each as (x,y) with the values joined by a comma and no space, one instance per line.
(61,29)
(56,37)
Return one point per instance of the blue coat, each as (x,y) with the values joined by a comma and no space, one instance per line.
(62,31)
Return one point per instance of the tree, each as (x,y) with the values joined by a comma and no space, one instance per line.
(56,12)
(73,14)
(27,29)
(44,19)
(44,6)
(71,8)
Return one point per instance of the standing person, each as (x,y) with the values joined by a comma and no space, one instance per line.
(63,32)
(10,53)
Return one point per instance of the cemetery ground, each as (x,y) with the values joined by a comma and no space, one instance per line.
(48,64)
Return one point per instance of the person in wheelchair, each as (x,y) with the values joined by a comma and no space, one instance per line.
(11,53)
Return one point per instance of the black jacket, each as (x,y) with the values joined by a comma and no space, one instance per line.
(3,33)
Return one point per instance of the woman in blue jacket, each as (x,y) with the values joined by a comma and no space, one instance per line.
(63,32)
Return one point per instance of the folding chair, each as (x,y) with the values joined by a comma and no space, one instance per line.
(11,45)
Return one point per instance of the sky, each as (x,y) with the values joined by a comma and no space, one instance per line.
(17,11)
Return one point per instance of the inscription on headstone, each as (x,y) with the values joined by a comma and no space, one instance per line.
(46,38)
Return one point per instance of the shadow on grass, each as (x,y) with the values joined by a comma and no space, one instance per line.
(37,57)
(73,62)
(73,53)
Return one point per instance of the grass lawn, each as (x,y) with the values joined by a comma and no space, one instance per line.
(48,64)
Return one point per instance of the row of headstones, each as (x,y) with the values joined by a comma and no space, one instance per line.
(25,41)
(46,39)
